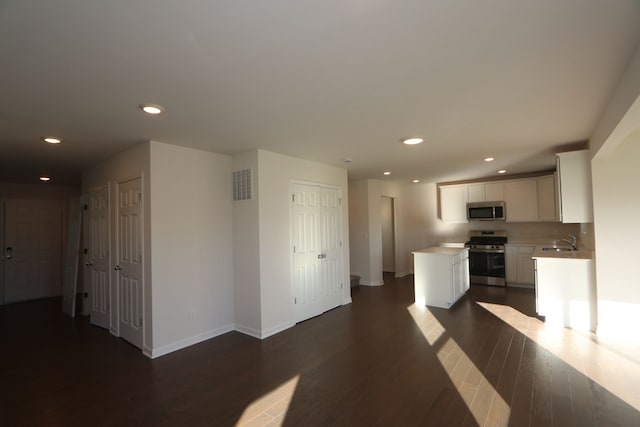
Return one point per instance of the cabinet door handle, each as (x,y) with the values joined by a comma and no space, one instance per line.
(117,268)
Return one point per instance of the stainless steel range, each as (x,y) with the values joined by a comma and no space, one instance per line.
(486,257)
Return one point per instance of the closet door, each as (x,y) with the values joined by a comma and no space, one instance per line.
(317,250)
(98,262)
(128,269)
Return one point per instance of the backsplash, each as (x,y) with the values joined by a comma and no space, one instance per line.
(517,232)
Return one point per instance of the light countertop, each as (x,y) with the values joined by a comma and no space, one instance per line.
(440,250)
(579,254)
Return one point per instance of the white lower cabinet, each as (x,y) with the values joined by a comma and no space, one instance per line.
(565,292)
(441,275)
(520,270)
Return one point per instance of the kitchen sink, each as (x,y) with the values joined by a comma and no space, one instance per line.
(557,249)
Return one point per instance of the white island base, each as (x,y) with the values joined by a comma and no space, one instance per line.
(441,275)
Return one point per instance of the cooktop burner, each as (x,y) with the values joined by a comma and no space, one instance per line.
(487,237)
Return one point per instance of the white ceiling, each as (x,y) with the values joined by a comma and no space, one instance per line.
(322,80)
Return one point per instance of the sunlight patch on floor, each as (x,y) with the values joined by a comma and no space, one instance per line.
(615,372)
(484,402)
(270,409)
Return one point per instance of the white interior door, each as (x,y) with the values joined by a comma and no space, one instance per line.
(98,263)
(331,232)
(33,249)
(129,260)
(317,250)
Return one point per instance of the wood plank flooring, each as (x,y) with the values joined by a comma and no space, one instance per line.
(380,361)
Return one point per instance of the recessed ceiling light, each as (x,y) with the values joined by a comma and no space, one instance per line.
(412,140)
(386,173)
(52,140)
(152,108)
(489,159)
(502,171)
(415,181)
(45,178)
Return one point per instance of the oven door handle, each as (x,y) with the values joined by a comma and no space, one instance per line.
(486,251)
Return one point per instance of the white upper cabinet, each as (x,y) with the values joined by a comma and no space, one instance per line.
(547,198)
(574,182)
(476,192)
(453,203)
(485,192)
(526,199)
(494,191)
(521,200)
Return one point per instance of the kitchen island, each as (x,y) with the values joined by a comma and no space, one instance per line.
(441,275)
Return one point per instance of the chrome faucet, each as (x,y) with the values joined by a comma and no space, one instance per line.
(573,242)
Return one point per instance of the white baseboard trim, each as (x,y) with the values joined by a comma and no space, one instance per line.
(252,332)
(247,331)
(402,274)
(186,342)
(147,351)
(347,301)
(278,328)
(367,283)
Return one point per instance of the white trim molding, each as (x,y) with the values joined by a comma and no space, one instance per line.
(186,342)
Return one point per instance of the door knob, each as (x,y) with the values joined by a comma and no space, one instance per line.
(117,268)
(89,263)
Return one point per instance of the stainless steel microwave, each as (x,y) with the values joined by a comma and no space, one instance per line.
(485,211)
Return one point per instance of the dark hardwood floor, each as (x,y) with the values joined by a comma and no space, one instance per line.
(378,362)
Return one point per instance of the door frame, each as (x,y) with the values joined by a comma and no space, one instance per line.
(293,182)
(393,231)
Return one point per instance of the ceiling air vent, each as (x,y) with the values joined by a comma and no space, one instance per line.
(242,185)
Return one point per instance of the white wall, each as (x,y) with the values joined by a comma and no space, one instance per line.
(359,228)
(43,191)
(625,94)
(191,246)
(615,150)
(377,189)
(616,206)
(126,165)
(246,252)
(275,173)
(365,216)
